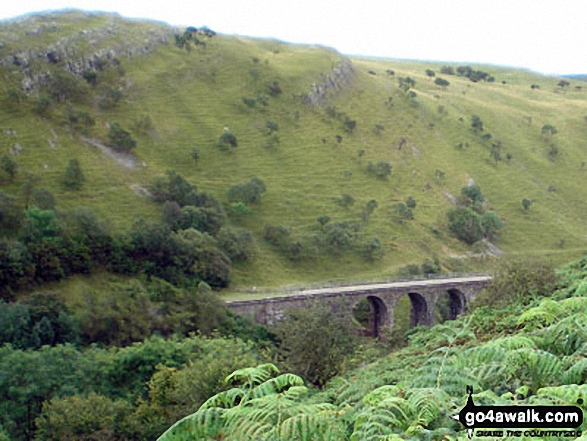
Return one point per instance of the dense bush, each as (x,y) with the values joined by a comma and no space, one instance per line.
(465,224)
(314,343)
(381,169)
(74,177)
(227,139)
(120,139)
(249,193)
(238,244)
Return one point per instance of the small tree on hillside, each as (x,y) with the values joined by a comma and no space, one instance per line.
(430,72)
(476,123)
(120,139)
(548,130)
(228,139)
(381,170)
(465,224)
(441,82)
(74,177)
(526,203)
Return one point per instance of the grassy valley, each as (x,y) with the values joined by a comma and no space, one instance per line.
(190,97)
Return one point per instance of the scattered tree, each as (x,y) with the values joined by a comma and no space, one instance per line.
(8,168)
(196,155)
(345,201)
(381,169)
(465,224)
(526,203)
(249,193)
(476,123)
(120,139)
(228,139)
(74,177)
(441,82)
(548,130)
(430,72)
(314,343)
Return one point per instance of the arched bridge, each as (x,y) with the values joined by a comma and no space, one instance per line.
(382,297)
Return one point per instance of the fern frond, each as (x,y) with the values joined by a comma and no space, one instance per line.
(277,385)
(204,424)
(225,399)
(566,394)
(253,376)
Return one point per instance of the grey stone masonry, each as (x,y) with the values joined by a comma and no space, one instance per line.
(383,297)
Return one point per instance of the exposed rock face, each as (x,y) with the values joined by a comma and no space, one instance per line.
(341,77)
(106,44)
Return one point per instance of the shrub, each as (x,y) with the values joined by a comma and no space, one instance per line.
(249,193)
(274,89)
(441,82)
(195,155)
(42,103)
(476,123)
(447,70)
(349,124)
(228,139)
(238,244)
(381,170)
(411,202)
(518,280)
(93,417)
(43,199)
(402,212)
(174,187)
(548,130)
(323,219)
(110,99)
(526,203)
(8,168)
(120,139)
(465,224)
(204,219)
(339,236)
(430,72)
(277,235)
(74,177)
(471,196)
(239,208)
(491,224)
(64,86)
(372,250)
(345,201)
(314,342)
(249,102)
(271,127)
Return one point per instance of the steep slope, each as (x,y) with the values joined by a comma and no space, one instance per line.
(175,101)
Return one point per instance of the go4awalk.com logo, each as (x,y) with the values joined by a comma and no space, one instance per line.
(518,421)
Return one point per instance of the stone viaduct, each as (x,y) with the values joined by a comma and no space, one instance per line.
(382,297)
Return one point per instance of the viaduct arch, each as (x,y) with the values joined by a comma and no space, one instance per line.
(382,297)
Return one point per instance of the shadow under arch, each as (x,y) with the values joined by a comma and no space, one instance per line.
(418,310)
(449,305)
(379,316)
(372,314)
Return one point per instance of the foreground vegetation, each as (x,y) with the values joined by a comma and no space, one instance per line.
(530,352)
(528,346)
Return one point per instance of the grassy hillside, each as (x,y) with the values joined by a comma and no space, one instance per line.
(191,97)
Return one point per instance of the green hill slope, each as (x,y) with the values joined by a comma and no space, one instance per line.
(174,101)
